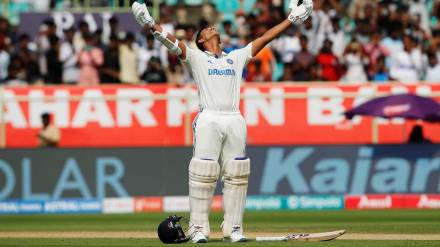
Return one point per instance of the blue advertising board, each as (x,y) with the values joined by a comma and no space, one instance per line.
(70,206)
(94,174)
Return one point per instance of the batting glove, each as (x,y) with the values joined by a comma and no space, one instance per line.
(299,14)
(140,12)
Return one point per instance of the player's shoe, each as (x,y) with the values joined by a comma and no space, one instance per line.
(236,236)
(199,238)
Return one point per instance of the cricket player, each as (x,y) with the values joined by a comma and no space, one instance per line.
(219,128)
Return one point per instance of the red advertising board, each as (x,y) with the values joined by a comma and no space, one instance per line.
(393,201)
(148,204)
(276,114)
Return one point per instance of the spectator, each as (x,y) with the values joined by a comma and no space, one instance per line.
(55,71)
(266,58)
(355,60)
(287,46)
(90,58)
(146,53)
(5,30)
(320,26)
(338,37)
(208,12)
(365,24)
(25,51)
(374,49)
(98,40)
(419,9)
(174,73)
(256,73)
(16,73)
(435,42)
(380,72)
(111,67)
(393,43)
(68,58)
(47,30)
(155,73)
(304,62)
(383,16)
(328,63)
(417,137)
(287,72)
(420,59)
(78,39)
(433,72)
(128,59)
(4,59)
(113,30)
(404,64)
(49,135)
(230,38)
(435,21)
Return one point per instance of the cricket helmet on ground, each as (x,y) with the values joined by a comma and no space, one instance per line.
(170,230)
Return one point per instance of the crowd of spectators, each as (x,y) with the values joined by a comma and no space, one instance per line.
(348,41)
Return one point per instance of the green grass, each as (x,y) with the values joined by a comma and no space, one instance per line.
(392,222)
(406,221)
(154,243)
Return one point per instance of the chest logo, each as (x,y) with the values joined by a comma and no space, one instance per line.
(230,61)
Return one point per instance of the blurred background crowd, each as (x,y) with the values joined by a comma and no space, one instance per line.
(350,41)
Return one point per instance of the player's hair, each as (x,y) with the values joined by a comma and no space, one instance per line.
(199,33)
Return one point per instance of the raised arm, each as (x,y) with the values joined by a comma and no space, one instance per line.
(271,34)
(143,17)
(158,29)
(299,13)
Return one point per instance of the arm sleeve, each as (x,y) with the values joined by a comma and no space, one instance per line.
(244,54)
(190,55)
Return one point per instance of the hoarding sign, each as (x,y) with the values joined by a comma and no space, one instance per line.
(129,116)
(58,174)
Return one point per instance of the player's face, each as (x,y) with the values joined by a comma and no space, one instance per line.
(209,33)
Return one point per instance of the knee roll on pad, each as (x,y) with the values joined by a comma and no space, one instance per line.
(203,171)
(235,176)
(236,172)
(203,175)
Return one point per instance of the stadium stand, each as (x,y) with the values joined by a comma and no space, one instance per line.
(356,41)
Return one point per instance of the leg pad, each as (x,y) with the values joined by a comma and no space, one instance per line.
(235,176)
(203,176)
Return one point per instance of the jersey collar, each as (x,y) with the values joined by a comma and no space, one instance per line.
(214,55)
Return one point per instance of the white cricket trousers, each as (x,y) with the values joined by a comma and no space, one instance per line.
(219,136)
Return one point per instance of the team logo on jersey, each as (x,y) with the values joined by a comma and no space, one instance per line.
(230,61)
(209,61)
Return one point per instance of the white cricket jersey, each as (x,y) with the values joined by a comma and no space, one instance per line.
(218,79)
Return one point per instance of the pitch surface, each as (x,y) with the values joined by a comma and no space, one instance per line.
(364,228)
